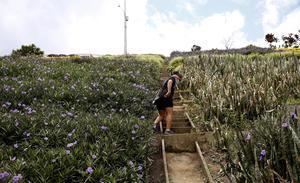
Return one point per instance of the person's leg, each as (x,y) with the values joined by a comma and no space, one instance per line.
(160,117)
(169,117)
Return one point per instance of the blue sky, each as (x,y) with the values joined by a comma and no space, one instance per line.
(154,26)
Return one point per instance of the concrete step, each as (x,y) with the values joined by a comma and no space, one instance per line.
(181,102)
(178,115)
(185,142)
(180,124)
(177,130)
(176,98)
(178,102)
(178,108)
(178,111)
(180,119)
(181,150)
(184,91)
(164,78)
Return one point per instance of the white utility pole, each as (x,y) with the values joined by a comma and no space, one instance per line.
(125,26)
(125,29)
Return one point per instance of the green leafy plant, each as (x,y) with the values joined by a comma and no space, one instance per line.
(66,121)
(27,50)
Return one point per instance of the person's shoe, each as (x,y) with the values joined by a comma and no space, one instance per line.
(169,132)
(155,128)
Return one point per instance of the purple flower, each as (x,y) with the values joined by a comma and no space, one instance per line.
(15,111)
(136,126)
(142,117)
(248,137)
(68,152)
(94,156)
(46,138)
(104,128)
(17,178)
(294,115)
(16,145)
(70,145)
(7,103)
(70,114)
(89,170)
(285,125)
(262,154)
(131,163)
(3,176)
(140,168)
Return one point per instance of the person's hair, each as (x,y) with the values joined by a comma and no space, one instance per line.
(177,73)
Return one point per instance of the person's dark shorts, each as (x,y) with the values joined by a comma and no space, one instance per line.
(163,103)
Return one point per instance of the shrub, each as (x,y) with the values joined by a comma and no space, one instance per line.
(175,64)
(27,50)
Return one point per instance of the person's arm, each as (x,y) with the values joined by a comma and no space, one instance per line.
(169,86)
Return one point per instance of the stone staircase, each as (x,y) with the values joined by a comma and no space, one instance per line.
(183,160)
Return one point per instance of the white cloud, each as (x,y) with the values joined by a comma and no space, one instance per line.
(96,26)
(288,24)
(276,20)
(240,1)
(208,33)
(189,7)
(273,10)
(61,26)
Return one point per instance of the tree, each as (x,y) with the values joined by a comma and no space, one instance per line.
(289,41)
(196,48)
(270,38)
(228,42)
(292,40)
(27,50)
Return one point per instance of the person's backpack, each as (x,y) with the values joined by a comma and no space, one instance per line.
(161,92)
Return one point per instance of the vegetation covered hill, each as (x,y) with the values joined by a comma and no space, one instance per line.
(76,120)
(243,100)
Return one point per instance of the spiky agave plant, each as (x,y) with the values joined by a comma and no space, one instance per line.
(234,93)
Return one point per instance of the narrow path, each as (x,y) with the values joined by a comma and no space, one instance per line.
(179,158)
(183,166)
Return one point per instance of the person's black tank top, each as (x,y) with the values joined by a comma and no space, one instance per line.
(164,89)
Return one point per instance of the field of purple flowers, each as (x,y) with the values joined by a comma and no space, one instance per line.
(73,120)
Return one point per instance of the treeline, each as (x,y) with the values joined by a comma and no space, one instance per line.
(244,51)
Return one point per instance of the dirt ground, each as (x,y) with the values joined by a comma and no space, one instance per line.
(184,167)
(156,174)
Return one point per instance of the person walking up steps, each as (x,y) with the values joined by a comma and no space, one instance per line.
(164,102)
